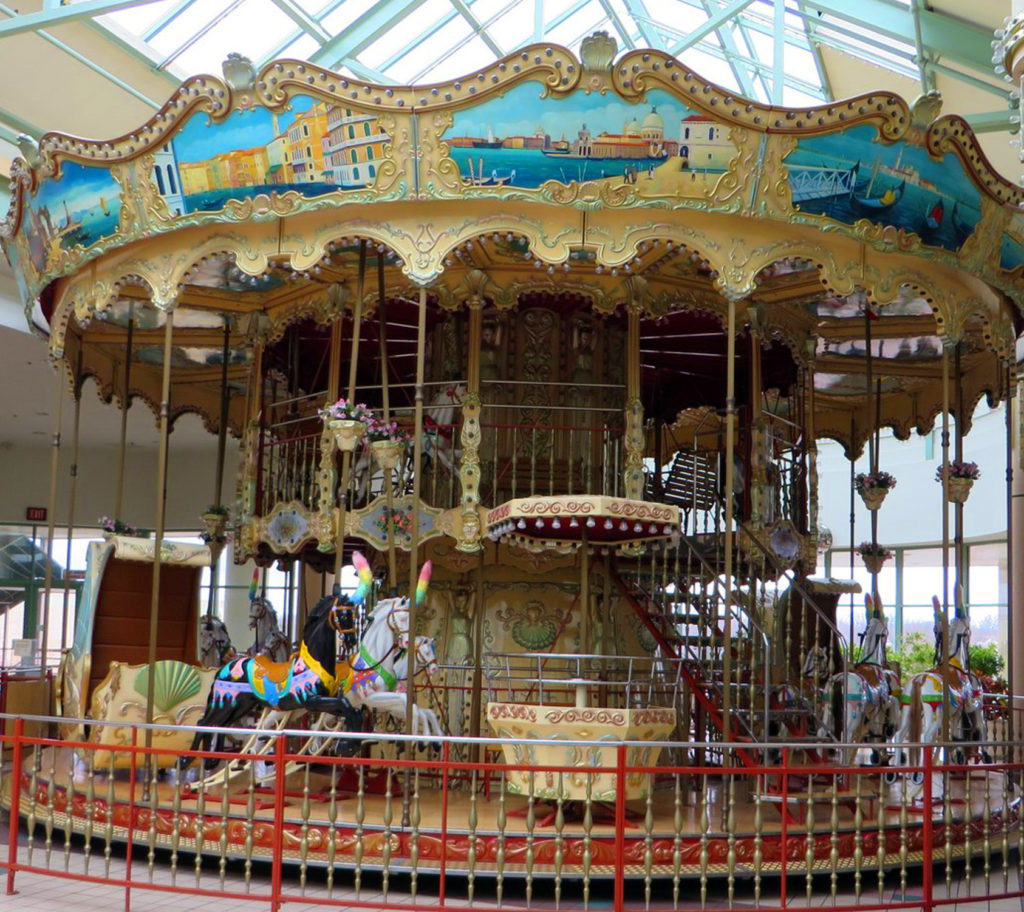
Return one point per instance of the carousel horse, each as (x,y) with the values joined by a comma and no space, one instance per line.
(923,700)
(381,685)
(270,640)
(865,698)
(214,643)
(310,681)
(439,425)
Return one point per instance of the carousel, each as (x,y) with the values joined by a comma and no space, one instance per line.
(556,399)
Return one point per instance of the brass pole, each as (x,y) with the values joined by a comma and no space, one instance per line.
(222,439)
(72,498)
(51,521)
(730,445)
(1009,401)
(959,576)
(161,502)
(346,456)
(873,441)
(945,535)
(585,646)
(125,405)
(382,338)
(478,648)
(421,345)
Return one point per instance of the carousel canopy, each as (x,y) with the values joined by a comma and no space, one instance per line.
(261,206)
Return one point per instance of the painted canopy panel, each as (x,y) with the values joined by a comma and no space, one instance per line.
(640,131)
(850,175)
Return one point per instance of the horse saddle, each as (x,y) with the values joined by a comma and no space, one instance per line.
(266,669)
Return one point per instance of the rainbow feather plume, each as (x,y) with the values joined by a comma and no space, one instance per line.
(365,574)
(423,583)
(254,584)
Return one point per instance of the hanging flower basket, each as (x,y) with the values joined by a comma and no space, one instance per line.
(387,452)
(873,497)
(215,525)
(873,487)
(348,432)
(959,489)
(962,476)
(874,556)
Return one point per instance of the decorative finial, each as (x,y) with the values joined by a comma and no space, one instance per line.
(239,73)
(29,149)
(597,51)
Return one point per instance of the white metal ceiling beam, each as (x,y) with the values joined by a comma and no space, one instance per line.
(374,23)
(712,24)
(303,20)
(48,17)
(466,13)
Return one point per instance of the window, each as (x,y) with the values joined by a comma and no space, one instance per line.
(373,172)
(159,180)
(309,152)
(711,133)
(686,133)
(170,180)
(354,158)
(355,174)
(305,129)
(351,132)
(366,128)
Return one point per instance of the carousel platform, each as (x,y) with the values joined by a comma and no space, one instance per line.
(686,829)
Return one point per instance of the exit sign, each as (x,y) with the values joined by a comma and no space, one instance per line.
(35,514)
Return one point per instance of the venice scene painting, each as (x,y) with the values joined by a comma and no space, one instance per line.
(79,208)
(313,147)
(851,175)
(523,140)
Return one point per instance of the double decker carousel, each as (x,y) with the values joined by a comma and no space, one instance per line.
(582,372)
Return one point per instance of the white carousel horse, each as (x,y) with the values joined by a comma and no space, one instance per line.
(270,640)
(214,643)
(439,425)
(865,698)
(924,698)
(380,685)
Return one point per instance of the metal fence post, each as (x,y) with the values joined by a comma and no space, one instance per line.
(15,822)
(275,876)
(927,872)
(620,828)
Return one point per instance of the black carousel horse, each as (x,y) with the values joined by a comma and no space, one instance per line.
(309,681)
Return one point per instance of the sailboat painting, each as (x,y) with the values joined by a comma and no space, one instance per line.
(899,185)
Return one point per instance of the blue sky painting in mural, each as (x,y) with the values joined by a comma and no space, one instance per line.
(523,140)
(80,207)
(851,175)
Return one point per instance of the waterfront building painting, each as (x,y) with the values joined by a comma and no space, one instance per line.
(523,140)
(78,209)
(256,151)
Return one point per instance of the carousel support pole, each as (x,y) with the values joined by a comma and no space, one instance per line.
(222,442)
(382,337)
(1009,401)
(51,521)
(346,456)
(585,644)
(873,440)
(959,569)
(727,570)
(125,405)
(414,547)
(853,525)
(72,499)
(476,699)
(758,469)
(633,461)
(470,433)
(161,502)
(945,532)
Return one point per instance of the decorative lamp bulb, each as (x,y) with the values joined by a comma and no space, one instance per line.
(623,526)
(521,524)
(556,524)
(608,524)
(591,522)
(574,523)
(638,528)
(539,524)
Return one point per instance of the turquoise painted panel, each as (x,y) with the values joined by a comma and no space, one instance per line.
(524,140)
(850,176)
(81,207)
(313,147)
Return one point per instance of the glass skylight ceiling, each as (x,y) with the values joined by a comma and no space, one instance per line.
(410,41)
